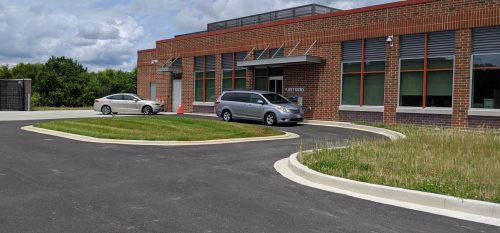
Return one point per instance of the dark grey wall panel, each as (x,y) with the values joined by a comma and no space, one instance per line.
(227,61)
(198,63)
(486,40)
(375,49)
(412,45)
(351,50)
(441,44)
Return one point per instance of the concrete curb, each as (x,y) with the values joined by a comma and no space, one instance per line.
(471,210)
(31,128)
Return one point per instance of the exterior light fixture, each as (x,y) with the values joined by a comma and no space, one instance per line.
(390,40)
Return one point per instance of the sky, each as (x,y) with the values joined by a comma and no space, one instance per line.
(104,34)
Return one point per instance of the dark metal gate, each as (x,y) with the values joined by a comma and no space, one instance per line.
(14,95)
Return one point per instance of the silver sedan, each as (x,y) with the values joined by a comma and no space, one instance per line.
(126,103)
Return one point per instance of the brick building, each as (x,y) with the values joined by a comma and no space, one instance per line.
(418,61)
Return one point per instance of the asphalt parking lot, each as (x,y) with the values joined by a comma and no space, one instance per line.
(50,184)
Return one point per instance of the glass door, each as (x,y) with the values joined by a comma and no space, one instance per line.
(276,84)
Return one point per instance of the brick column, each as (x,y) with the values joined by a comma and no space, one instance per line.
(333,73)
(391,82)
(249,73)
(461,82)
(187,83)
(218,75)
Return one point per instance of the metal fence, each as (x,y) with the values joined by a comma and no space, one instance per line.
(300,11)
(15,95)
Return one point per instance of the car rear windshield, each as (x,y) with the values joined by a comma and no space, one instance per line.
(276,99)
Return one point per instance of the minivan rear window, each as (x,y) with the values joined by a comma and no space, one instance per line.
(228,97)
(237,97)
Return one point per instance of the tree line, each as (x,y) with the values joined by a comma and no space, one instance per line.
(63,81)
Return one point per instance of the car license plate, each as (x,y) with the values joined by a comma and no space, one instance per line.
(298,116)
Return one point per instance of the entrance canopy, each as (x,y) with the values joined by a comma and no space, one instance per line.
(292,60)
(173,69)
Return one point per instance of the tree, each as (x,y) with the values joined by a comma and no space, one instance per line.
(61,82)
(5,72)
(64,82)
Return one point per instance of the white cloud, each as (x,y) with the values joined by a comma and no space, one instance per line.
(107,33)
(96,39)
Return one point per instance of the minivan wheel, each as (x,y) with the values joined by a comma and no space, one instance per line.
(270,119)
(106,110)
(226,115)
(147,110)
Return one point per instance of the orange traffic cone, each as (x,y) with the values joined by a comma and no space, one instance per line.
(179,109)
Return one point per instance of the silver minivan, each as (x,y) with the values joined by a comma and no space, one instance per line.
(269,107)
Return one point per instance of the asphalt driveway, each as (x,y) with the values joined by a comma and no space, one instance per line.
(50,184)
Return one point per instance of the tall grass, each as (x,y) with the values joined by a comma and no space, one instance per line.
(461,163)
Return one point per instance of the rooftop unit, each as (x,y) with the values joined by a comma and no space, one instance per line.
(289,13)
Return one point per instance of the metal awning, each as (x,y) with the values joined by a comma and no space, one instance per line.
(173,69)
(292,60)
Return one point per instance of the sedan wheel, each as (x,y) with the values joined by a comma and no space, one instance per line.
(226,115)
(106,110)
(147,110)
(271,119)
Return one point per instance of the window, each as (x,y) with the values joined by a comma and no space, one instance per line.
(232,77)
(276,99)
(241,97)
(204,76)
(261,79)
(363,72)
(426,69)
(255,98)
(486,68)
(128,97)
(486,81)
(116,97)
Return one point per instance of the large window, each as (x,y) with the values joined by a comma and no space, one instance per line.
(486,68)
(363,72)
(232,77)
(486,81)
(426,70)
(204,78)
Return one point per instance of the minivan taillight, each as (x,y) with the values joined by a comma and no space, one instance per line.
(96,101)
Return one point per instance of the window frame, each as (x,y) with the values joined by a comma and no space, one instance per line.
(362,74)
(425,72)
(233,73)
(480,111)
(204,80)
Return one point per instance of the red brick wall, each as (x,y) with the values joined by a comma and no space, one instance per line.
(355,116)
(391,82)
(461,97)
(424,119)
(484,122)
(322,82)
(187,83)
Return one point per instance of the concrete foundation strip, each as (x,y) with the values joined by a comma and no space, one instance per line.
(77,137)
(471,210)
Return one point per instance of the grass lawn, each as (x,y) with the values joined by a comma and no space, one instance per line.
(454,162)
(44,108)
(156,128)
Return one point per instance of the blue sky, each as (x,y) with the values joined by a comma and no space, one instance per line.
(107,33)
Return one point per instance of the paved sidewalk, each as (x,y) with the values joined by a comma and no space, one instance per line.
(62,114)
